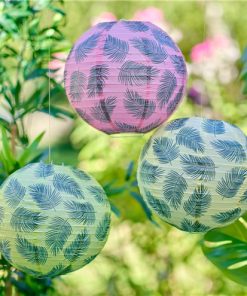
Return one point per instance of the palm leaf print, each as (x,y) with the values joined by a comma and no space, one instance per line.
(176,124)
(115,49)
(150,173)
(96,82)
(190,138)
(199,202)
(215,127)
(202,168)
(14,193)
(98,193)
(77,85)
(166,88)
(81,175)
(151,49)
(25,220)
(78,247)
(106,25)
(164,39)
(137,106)
(103,228)
(56,270)
(45,197)
(104,108)
(178,63)
(158,205)
(165,149)
(57,235)
(5,249)
(83,114)
(32,253)
(174,187)
(150,126)
(190,226)
(244,197)
(68,185)
(230,184)
(44,170)
(172,105)
(89,259)
(125,127)
(132,73)
(32,272)
(1,214)
(230,150)
(228,216)
(136,26)
(85,47)
(81,212)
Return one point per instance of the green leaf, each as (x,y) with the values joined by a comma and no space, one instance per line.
(7,151)
(30,150)
(226,248)
(57,112)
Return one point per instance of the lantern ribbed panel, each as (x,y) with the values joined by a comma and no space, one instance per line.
(54,219)
(125,76)
(193,173)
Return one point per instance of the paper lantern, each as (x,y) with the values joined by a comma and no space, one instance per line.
(193,173)
(53,219)
(125,76)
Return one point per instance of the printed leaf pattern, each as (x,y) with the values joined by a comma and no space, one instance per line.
(44,170)
(172,105)
(31,252)
(106,25)
(96,82)
(136,26)
(78,247)
(158,205)
(5,249)
(77,85)
(104,108)
(190,226)
(137,106)
(98,193)
(230,184)
(81,175)
(150,173)
(57,235)
(179,64)
(126,127)
(132,73)
(68,185)
(1,214)
(190,138)
(215,127)
(81,212)
(14,193)
(151,49)
(228,216)
(115,49)
(174,187)
(230,150)
(150,126)
(165,149)
(84,48)
(198,167)
(166,88)
(164,39)
(103,228)
(199,202)
(25,220)
(45,196)
(176,124)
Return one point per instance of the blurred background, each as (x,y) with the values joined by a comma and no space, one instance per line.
(141,258)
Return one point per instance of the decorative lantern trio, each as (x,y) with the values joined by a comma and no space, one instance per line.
(124,77)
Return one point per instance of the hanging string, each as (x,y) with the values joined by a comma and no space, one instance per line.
(203,39)
(49,103)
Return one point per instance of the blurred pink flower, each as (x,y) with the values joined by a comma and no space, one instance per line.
(208,48)
(57,66)
(104,17)
(151,14)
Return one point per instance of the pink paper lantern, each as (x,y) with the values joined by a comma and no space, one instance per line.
(125,76)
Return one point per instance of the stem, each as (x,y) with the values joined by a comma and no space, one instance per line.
(8,285)
(13,138)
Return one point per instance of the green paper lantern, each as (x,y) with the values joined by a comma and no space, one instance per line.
(53,219)
(193,173)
